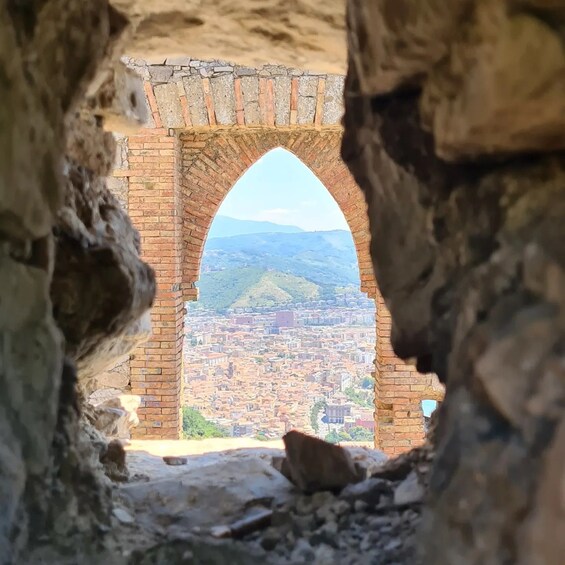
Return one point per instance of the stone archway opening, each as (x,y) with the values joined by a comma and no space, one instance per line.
(209,124)
(281,336)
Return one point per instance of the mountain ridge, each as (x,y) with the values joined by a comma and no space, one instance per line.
(322,257)
(265,269)
(226,226)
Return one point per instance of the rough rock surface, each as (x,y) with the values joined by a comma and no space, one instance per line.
(43,470)
(473,270)
(101,290)
(307,34)
(361,525)
(51,480)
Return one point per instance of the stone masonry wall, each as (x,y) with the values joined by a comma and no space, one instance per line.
(187,93)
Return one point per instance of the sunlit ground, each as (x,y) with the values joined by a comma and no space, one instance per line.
(179,447)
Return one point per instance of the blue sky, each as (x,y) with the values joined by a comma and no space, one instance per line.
(279,188)
(428,406)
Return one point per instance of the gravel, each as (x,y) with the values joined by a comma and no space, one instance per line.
(325,529)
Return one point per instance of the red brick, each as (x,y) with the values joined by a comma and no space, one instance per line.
(173,213)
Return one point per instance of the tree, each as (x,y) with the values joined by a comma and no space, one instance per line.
(332,437)
(367,383)
(195,426)
(359,397)
(314,412)
(361,434)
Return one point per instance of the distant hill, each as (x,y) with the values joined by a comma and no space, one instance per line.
(250,287)
(224,226)
(326,258)
(266,269)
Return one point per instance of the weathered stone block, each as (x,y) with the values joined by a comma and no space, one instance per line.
(180,61)
(184,72)
(307,86)
(250,91)
(170,110)
(224,99)
(195,99)
(282,100)
(160,73)
(333,100)
(245,71)
(306,109)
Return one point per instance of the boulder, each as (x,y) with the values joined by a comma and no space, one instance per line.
(113,413)
(101,289)
(462,168)
(316,465)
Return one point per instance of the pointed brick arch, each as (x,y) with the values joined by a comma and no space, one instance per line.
(210,124)
(230,154)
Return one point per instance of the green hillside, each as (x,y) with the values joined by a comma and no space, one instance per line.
(269,269)
(325,258)
(220,289)
(277,288)
(252,287)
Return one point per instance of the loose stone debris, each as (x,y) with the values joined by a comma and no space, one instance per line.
(372,520)
(123,515)
(241,528)
(175,461)
(409,490)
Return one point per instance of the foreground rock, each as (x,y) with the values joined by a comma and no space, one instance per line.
(316,465)
(180,500)
(363,525)
(101,289)
(456,145)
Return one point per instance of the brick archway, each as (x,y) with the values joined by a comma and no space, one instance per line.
(209,124)
(228,154)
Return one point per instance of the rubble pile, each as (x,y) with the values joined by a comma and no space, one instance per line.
(370,516)
(369,520)
(369,524)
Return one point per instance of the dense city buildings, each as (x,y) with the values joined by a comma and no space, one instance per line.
(262,372)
